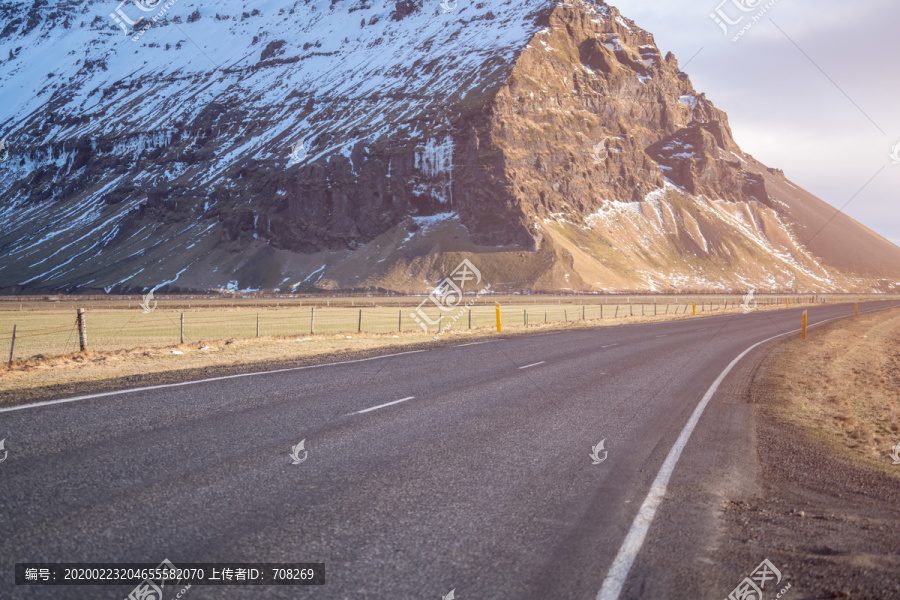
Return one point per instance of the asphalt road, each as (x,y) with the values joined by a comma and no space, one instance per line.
(480,481)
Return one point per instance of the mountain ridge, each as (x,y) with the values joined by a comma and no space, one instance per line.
(542,140)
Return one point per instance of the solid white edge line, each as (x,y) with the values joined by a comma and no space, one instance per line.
(183,383)
(365,410)
(618,572)
(608,346)
(533,365)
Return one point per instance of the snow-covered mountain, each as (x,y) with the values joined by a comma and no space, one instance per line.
(356,145)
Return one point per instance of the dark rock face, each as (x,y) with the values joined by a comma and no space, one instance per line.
(313,134)
(592,112)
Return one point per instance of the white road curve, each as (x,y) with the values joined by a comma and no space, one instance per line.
(618,572)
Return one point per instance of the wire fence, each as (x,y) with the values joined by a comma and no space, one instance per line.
(37,334)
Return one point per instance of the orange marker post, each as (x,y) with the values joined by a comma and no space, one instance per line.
(803,336)
(694,306)
(857,308)
(497,307)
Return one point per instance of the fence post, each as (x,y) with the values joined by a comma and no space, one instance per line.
(566,314)
(12,346)
(545,316)
(525,316)
(601,312)
(630,310)
(440,320)
(400,320)
(82,330)
(470,318)
(182,328)
(359,328)
(617,312)
(312,320)
(257,324)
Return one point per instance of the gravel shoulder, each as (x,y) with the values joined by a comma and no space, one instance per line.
(827,513)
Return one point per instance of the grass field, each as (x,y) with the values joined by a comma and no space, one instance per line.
(128,347)
(47,328)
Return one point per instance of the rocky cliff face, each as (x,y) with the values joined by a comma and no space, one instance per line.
(357,145)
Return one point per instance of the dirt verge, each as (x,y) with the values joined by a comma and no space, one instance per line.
(827,416)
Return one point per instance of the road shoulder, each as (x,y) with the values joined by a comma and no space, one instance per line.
(828,510)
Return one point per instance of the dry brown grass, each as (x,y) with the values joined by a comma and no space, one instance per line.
(842,386)
(28,377)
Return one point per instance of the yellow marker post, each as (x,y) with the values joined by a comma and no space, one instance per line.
(694,306)
(803,336)
(787,303)
(497,307)
(857,308)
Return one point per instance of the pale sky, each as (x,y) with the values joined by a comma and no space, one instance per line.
(829,121)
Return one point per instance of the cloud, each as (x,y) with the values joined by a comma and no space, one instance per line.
(814,95)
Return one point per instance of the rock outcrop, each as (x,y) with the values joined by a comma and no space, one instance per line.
(550,142)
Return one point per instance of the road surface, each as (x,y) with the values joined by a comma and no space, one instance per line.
(461,468)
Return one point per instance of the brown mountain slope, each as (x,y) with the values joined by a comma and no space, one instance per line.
(603,167)
(550,143)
